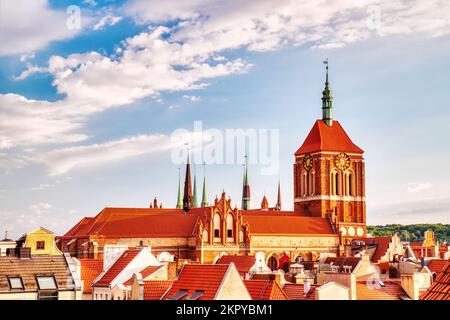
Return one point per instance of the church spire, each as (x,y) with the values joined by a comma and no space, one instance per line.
(195,201)
(204,195)
(278,205)
(179,198)
(187,196)
(327,100)
(245,188)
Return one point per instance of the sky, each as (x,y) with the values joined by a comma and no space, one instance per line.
(94,94)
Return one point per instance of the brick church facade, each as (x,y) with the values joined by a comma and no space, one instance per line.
(329,211)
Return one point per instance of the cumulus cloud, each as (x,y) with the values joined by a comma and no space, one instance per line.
(191,98)
(27,26)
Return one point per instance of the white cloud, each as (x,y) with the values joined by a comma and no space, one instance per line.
(27,26)
(40,208)
(61,161)
(108,20)
(192,98)
(416,187)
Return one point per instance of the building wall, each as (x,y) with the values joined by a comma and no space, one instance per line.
(35,236)
(233,288)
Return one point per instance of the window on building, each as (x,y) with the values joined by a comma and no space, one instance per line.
(312,183)
(15,283)
(304,184)
(272,263)
(350,186)
(241,236)
(216,226)
(178,295)
(40,245)
(230,226)
(205,236)
(46,283)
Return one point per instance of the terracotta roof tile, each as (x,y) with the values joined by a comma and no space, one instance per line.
(155,289)
(328,138)
(243,263)
(90,269)
(296,291)
(138,222)
(120,264)
(440,289)
(437,265)
(199,277)
(392,290)
(287,224)
(265,290)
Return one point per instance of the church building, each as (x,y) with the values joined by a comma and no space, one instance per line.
(329,211)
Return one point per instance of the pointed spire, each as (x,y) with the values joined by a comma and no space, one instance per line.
(245,188)
(179,199)
(327,100)
(195,201)
(278,205)
(204,195)
(264,203)
(187,196)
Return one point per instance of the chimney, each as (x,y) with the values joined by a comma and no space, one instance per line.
(25,253)
(155,203)
(306,286)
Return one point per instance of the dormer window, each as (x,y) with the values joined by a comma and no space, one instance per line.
(46,283)
(15,283)
(40,245)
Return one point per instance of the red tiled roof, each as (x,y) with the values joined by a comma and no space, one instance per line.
(276,224)
(296,291)
(437,265)
(117,267)
(242,263)
(440,289)
(200,277)
(343,261)
(381,245)
(392,290)
(138,222)
(155,289)
(265,290)
(328,138)
(90,269)
(144,273)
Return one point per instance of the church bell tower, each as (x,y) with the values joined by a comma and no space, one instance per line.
(329,177)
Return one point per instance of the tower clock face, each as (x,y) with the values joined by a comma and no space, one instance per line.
(342,161)
(308,162)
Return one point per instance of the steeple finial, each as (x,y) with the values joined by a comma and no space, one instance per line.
(188,199)
(327,100)
(179,198)
(204,195)
(245,188)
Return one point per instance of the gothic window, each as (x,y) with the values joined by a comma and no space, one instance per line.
(312,182)
(272,263)
(230,227)
(216,226)
(241,236)
(304,183)
(334,183)
(205,236)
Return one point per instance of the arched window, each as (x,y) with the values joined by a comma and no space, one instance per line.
(241,236)
(304,183)
(205,236)
(334,183)
(230,227)
(350,188)
(312,183)
(272,263)
(216,226)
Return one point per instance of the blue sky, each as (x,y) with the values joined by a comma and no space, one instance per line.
(86,114)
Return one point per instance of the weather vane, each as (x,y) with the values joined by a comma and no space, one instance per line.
(326,62)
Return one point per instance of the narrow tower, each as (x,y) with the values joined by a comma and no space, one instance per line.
(245,189)
(204,195)
(188,199)
(179,198)
(278,205)
(327,101)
